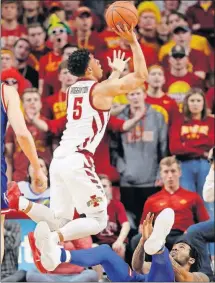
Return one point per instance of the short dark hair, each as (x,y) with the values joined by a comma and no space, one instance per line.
(9,2)
(193,253)
(180,15)
(78,62)
(22,39)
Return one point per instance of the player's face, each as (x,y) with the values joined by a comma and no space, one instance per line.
(181,254)
(182,38)
(95,67)
(9,11)
(147,21)
(170,175)
(136,98)
(84,22)
(66,78)
(36,36)
(32,100)
(67,52)
(59,36)
(42,166)
(156,78)
(22,50)
(6,61)
(195,103)
(108,188)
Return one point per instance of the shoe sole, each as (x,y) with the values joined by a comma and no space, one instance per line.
(161,229)
(36,253)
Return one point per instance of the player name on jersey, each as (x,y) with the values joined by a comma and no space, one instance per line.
(79,90)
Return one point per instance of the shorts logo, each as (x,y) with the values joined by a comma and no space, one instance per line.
(94,201)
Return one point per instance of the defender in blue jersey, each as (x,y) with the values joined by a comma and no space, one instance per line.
(11,112)
(116,269)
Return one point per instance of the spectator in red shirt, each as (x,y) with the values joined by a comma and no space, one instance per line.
(10,29)
(188,206)
(118,226)
(191,139)
(22,49)
(16,160)
(84,37)
(49,63)
(67,272)
(159,100)
(37,38)
(178,79)
(182,36)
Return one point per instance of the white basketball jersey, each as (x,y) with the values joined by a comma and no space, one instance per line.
(85,125)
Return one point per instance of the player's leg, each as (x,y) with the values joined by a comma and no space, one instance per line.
(37,212)
(88,197)
(52,255)
(161,268)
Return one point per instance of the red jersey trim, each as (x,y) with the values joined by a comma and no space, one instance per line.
(3,99)
(91,100)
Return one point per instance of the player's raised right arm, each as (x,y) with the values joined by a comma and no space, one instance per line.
(23,135)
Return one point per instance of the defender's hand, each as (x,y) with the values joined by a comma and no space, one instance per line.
(118,63)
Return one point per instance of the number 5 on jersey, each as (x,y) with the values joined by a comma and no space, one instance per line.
(77,108)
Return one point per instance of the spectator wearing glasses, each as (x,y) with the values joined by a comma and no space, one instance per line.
(11,30)
(13,78)
(191,139)
(49,63)
(22,49)
(182,37)
(178,79)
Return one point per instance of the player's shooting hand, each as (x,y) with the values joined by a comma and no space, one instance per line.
(119,62)
(40,181)
(125,33)
(147,227)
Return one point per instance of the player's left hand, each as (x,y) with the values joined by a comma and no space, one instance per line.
(40,181)
(117,246)
(118,63)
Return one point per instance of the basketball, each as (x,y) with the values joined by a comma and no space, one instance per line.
(120,13)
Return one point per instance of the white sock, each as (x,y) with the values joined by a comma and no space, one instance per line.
(40,212)
(78,228)
(23,203)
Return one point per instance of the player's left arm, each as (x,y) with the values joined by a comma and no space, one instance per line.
(182,275)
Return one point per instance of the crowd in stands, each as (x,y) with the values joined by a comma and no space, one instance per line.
(172,113)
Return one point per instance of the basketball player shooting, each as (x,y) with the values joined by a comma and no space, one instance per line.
(73,181)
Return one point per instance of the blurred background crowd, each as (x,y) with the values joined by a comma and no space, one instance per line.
(171,114)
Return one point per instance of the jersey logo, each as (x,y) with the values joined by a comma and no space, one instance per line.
(94,201)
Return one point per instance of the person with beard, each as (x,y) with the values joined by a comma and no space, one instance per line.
(22,50)
(183,256)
